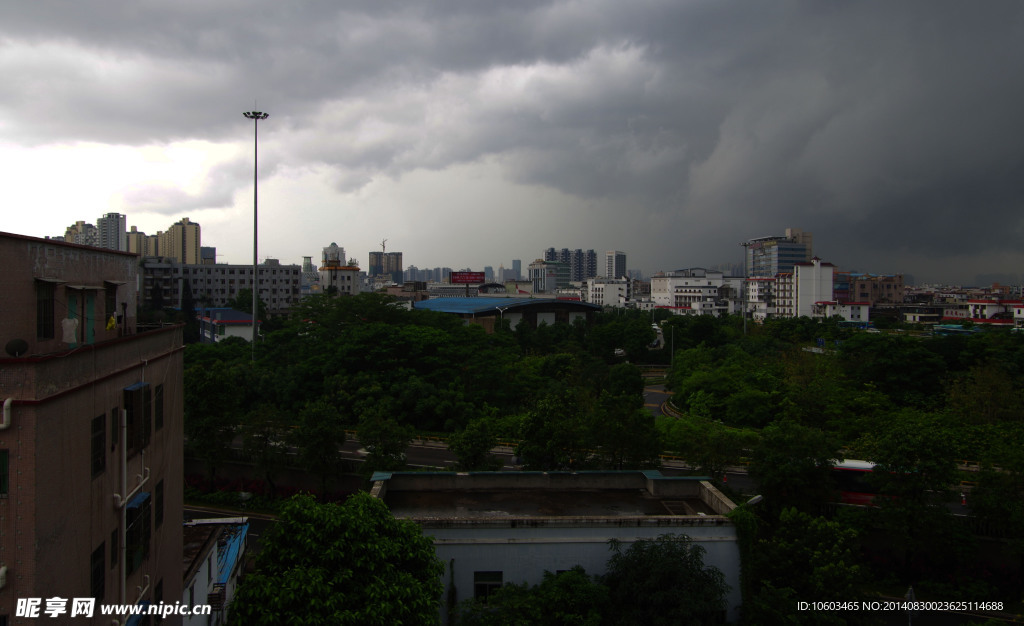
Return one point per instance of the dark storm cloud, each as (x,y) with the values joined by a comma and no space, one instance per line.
(885,128)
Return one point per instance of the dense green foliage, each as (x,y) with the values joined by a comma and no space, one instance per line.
(664,581)
(788,397)
(569,598)
(351,563)
(653,581)
(365,364)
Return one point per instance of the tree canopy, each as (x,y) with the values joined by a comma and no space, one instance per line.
(351,563)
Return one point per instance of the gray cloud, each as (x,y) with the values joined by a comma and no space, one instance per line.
(890,130)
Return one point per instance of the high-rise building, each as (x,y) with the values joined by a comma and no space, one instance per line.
(614,264)
(91,438)
(391,265)
(182,242)
(83,234)
(112,233)
(139,243)
(517,269)
(582,265)
(768,256)
(375,264)
(386,264)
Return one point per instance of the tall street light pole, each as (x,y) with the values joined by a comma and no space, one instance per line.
(255,116)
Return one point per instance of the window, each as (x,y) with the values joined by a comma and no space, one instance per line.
(138,406)
(4,472)
(99,445)
(485,583)
(115,428)
(138,535)
(158,406)
(158,494)
(97,572)
(44,310)
(110,294)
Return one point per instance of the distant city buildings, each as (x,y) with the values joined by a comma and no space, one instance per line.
(608,291)
(83,234)
(582,265)
(111,232)
(548,276)
(768,256)
(697,291)
(615,264)
(337,276)
(387,264)
(181,242)
(163,284)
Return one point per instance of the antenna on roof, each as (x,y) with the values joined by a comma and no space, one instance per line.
(383,247)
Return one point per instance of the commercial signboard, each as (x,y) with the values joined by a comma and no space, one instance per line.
(467,278)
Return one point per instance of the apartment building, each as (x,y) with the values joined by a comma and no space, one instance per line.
(163,281)
(91,435)
(697,291)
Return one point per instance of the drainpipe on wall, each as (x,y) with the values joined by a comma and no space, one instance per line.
(6,423)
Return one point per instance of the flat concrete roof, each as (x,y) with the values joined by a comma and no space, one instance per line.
(452,504)
(484,305)
(497,496)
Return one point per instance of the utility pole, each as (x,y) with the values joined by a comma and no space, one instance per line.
(255,116)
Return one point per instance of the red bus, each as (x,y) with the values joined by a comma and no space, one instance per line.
(853,479)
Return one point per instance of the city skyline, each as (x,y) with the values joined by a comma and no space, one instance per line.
(471,135)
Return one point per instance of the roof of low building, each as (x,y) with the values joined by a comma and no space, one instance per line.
(478,306)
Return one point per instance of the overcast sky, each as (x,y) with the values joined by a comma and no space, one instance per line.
(470,132)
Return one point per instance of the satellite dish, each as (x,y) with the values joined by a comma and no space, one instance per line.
(16,347)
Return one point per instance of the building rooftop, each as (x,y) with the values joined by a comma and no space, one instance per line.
(550,498)
(476,306)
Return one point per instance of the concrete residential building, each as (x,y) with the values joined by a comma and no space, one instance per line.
(280,286)
(876,289)
(112,232)
(492,528)
(386,264)
(182,242)
(83,234)
(141,244)
(614,264)
(91,437)
(697,291)
(336,273)
(608,291)
(214,556)
(796,293)
(582,265)
(849,311)
(760,300)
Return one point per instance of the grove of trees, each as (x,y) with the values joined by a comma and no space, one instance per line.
(787,398)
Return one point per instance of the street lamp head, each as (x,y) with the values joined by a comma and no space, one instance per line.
(256,115)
